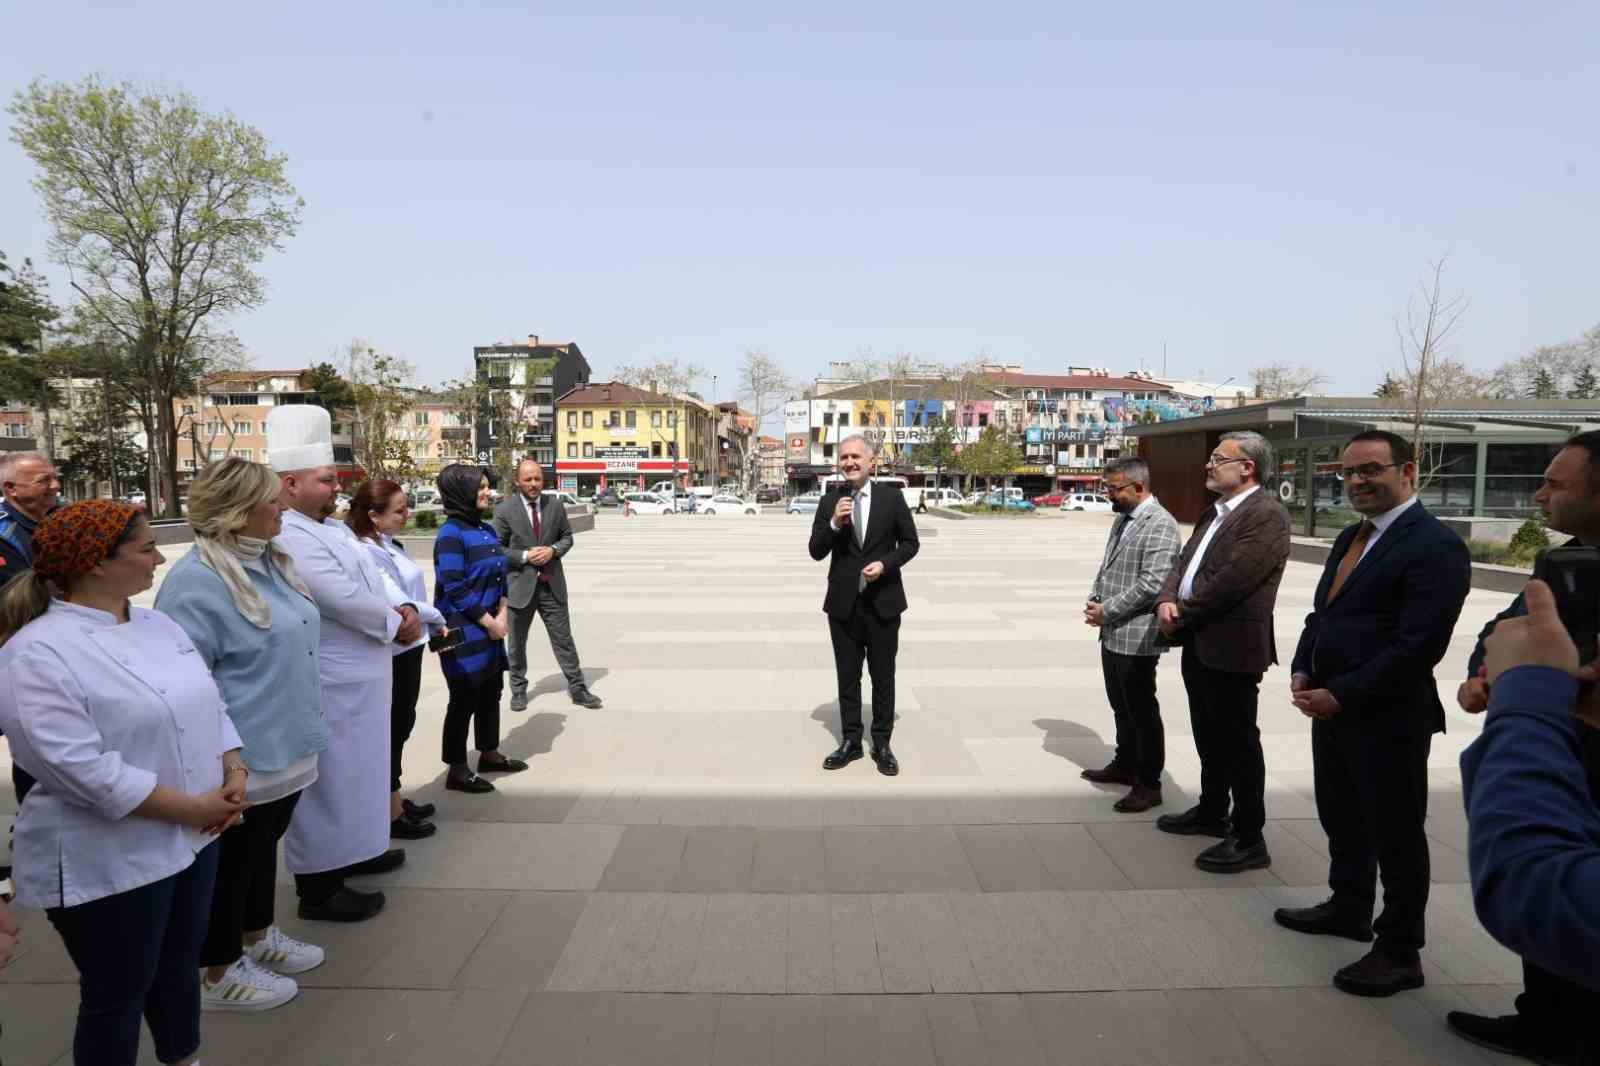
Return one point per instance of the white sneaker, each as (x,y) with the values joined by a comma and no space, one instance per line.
(282,953)
(247,986)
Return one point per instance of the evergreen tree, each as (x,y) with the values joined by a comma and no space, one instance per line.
(1544,385)
(1586,386)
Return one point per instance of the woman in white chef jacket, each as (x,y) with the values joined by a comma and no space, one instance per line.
(110,707)
(378,512)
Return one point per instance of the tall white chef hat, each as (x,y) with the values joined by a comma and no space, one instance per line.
(299,437)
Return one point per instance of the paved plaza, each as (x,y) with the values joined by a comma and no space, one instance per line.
(677,881)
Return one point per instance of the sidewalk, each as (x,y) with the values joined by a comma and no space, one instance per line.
(678,881)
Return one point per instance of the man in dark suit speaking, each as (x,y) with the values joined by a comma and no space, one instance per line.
(534,531)
(1390,594)
(870,533)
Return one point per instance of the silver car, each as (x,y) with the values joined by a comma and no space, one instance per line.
(806,503)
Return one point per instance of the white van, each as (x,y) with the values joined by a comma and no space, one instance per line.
(932,496)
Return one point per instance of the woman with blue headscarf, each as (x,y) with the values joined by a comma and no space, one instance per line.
(469,589)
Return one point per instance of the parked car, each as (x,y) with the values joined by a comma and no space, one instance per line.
(1007,503)
(608,497)
(805,503)
(647,503)
(727,503)
(1049,499)
(1086,501)
(769,494)
(567,498)
(933,497)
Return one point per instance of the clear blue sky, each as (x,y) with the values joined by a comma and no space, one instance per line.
(1048,183)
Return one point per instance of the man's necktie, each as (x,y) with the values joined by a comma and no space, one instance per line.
(538,535)
(1352,556)
(861,534)
(1117,530)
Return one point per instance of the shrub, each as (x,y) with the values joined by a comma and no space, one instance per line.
(426,519)
(1529,539)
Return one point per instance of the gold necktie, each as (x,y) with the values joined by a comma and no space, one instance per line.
(1352,556)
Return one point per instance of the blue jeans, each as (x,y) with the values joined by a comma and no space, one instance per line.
(138,952)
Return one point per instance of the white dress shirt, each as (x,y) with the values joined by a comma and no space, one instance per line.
(1224,509)
(102,712)
(859,512)
(1383,522)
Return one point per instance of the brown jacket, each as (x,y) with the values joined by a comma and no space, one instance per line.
(1228,616)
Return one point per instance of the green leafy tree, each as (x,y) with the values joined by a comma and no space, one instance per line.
(333,391)
(995,454)
(940,449)
(162,213)
(1391,389)
(25,308)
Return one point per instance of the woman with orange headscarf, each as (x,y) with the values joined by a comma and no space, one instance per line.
(109,706)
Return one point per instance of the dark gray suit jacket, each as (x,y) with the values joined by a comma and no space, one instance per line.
(515,533)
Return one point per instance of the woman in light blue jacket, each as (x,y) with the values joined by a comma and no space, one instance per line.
(238,598)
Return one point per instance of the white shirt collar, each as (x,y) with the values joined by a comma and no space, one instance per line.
(1231,503)
(92,615)
(1386,519)
(1144,505)
(865,490)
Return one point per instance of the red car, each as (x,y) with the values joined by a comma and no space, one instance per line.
(1049,499)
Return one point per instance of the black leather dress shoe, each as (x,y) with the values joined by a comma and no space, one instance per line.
(417,811)
(467,782)
(499,764)
(1138,799)
(584,698)
(345,905)
(389,861)
(888,765)
(1111,774)
(404,828)
(843,755)
(1193,823)
(1379,975)
(1325,920)
(1232,857)
(1509,1035)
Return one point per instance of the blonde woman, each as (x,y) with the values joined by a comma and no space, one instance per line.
(250,616)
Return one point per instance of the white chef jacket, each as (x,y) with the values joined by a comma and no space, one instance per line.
(405,583)
(102,712)
(344,817)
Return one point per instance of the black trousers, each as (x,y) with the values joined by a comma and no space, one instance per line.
(1372,799)
(475,701)
(22,782)
(137,953)
(403,708)
(247,872)
(1222,712)
(864,637)
(1131,691)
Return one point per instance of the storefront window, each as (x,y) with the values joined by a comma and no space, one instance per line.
(1445,477)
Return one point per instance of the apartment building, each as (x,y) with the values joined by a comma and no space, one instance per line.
(608,433)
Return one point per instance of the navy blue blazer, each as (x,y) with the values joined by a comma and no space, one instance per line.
(1376,645)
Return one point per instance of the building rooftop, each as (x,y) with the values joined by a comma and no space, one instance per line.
(616,393)
(1452,417)
(1078,381)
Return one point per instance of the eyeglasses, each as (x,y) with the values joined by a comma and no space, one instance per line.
(1114,489)
(1224,460)
(1366,471)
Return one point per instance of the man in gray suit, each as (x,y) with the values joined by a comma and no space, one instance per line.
(533,530)
(1140,552)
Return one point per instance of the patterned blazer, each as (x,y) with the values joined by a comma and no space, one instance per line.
(1135,566)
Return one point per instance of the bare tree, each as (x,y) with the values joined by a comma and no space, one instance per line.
(675,379)
(1279,381)
(1430,321)
(765,387)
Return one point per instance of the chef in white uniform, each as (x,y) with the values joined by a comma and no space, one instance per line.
(341,826)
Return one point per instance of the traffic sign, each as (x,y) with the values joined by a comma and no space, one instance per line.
(483,457)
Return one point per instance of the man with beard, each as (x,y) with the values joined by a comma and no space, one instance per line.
(1552,1013)
(341,826)
(1390,594)
(1140,552)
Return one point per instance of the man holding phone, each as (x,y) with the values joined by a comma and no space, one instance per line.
(1549,1012)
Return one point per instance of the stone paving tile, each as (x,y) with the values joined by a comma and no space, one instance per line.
(647,859)
(743,946)
(523,944)
(913,859)
(854,937)
(520,857)
(1073,858)
(38,1021)
(789,860)
(427,938)
(717,859)
(1003,858)
(809,960)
